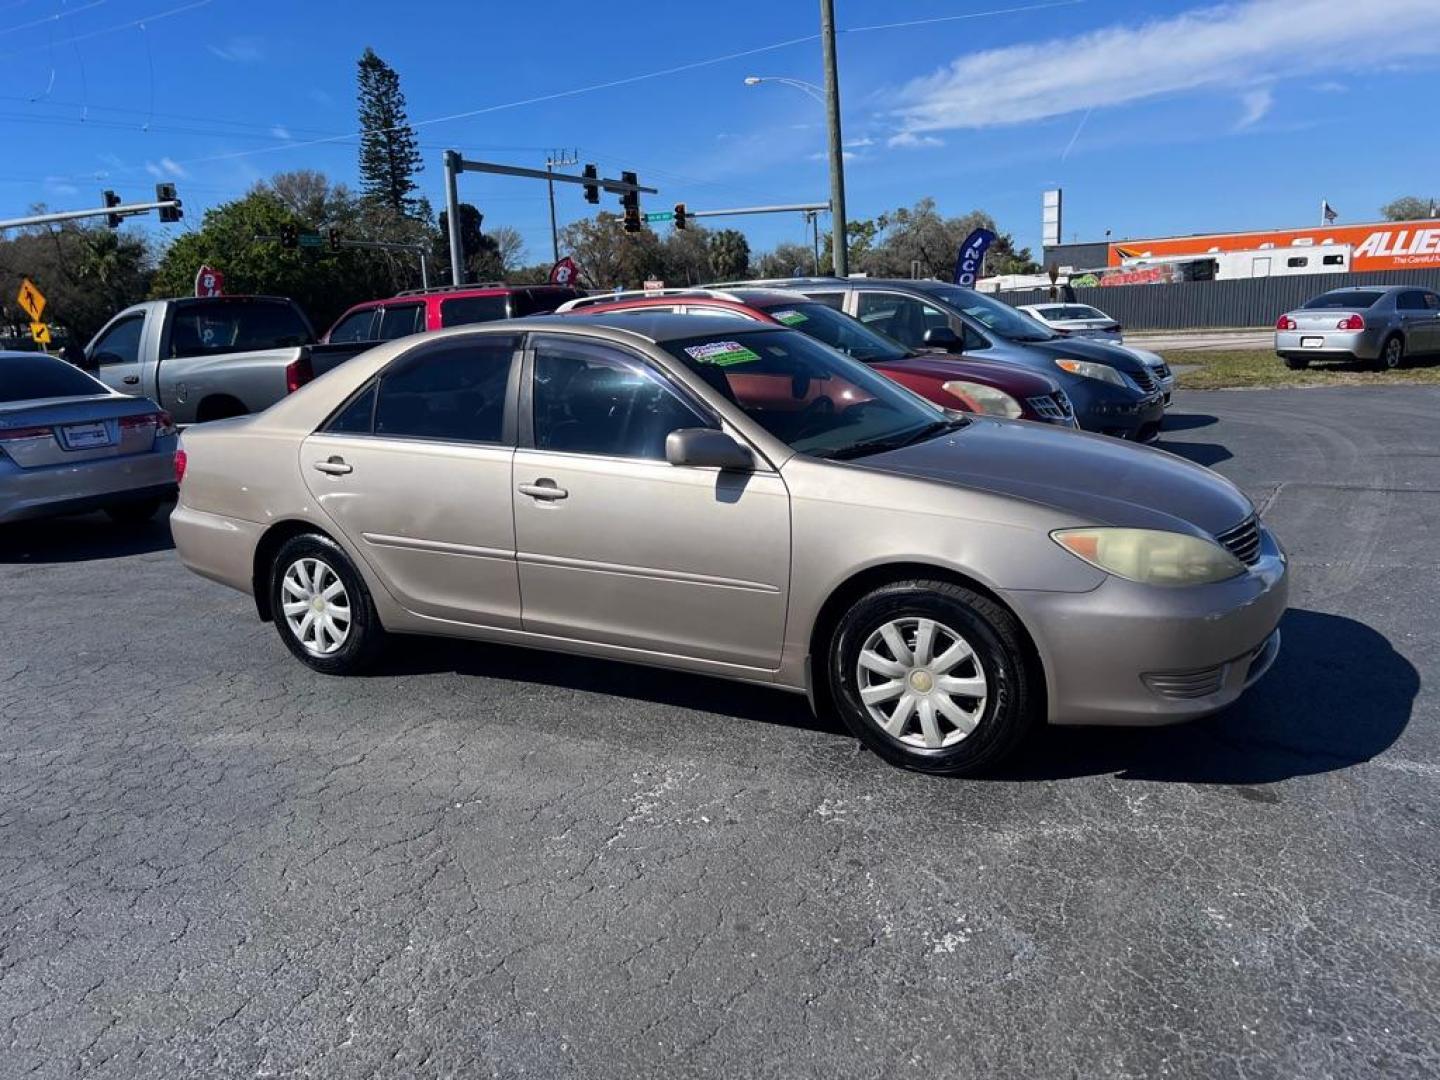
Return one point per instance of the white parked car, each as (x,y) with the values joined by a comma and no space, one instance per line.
(1076,320)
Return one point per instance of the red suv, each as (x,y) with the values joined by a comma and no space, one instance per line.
(417,310)
(949,380)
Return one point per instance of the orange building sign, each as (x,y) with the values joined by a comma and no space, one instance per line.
(1385,245)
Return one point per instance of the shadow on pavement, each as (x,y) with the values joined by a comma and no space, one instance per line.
(1207,454)
(82,538)
(745,701)
(1188,421)
(1338,695)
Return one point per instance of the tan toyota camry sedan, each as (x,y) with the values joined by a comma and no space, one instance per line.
(742,501)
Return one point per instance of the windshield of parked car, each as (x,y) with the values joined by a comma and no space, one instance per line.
(1000,318)
(814,399)
(33,378)
(1345,298)
(839,331)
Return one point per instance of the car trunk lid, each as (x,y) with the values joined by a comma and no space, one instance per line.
(65,431)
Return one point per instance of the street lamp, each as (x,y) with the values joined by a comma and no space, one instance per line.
(799,84)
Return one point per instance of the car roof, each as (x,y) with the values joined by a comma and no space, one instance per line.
(659,326)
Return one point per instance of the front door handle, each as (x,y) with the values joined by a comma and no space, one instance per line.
(544,488)
(131,380)
(334,466)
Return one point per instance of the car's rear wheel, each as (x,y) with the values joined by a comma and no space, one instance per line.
(933,677)
(133,513)
(322,609)
(1392,353)
(1296,363)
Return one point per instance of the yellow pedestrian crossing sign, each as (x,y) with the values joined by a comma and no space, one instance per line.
(32,300)
(40,332)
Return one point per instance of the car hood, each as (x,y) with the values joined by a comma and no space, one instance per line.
(1007,377)
(1096,478)
(1090,349)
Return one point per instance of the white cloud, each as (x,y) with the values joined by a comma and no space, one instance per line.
(1331,86)
(239,50)
(824,155)
(1230,47)
(857,143)
(165,169)
(1257,103)
(910,139)
(280,131)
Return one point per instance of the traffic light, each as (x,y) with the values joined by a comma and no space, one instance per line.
(111,199)
(166,193)
(592,191)
(334,235)
(289,237)
(630,200)
(680,215)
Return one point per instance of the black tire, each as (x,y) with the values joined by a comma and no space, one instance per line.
(1012,701)
(133,513)
(1392,354)
(364,638)
(1296,363)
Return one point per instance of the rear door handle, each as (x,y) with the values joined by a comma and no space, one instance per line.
(131,380)
(335,466)
(544,488)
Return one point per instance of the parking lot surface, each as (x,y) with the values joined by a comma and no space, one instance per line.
(485,861)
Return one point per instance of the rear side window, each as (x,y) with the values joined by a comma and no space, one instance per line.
(357,326)
(356,418)
(1345,298)
(400,320)
(207,327)
(31,378)
(472,309)
(453,391)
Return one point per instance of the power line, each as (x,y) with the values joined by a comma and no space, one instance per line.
(123,26)
(53,18)
(957,18)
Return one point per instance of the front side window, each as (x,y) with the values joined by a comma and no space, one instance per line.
(590,399)
(121,343)
(357,326)
(1432,301)
(1414,300)
(461,310)
(401,320)
(209,327)
(903,318)
(816,400)
(453,391)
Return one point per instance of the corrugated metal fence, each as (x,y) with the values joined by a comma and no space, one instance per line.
(1194,304)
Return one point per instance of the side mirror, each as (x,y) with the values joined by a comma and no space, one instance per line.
(942,337)
(706,448)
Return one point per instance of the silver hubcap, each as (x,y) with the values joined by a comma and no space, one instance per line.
(1392,354)
(316,606)
(921,682)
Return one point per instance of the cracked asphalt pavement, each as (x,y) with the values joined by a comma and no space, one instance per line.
(485,861)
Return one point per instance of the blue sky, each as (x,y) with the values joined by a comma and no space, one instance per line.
(1155,117)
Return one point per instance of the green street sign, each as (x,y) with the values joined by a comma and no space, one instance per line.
(661,215)
(312,240)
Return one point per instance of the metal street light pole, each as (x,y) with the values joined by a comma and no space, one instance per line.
(837,153)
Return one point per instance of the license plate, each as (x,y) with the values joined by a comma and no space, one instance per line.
(1311,342)
(85,436)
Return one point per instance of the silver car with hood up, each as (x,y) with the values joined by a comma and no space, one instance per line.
(738,500)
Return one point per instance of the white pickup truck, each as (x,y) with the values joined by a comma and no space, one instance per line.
(212,357)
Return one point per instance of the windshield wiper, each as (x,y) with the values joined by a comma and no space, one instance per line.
(880,446)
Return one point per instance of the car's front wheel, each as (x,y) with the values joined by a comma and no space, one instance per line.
(933,677)
(321,607)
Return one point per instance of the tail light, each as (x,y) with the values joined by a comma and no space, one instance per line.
(181,460)
(1351,322)
(162,421)
(1285,322)
(1117,328)
(297,374)
(16,434)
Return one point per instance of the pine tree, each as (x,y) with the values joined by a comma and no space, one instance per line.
(389,156)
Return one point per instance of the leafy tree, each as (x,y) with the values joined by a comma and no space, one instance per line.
(310,196)
(1410,208)
(607,255)
(510,245)
(919,238)
(534,274)
(687,256)
(729,254)
(87,273)
(786,259)
(389,152)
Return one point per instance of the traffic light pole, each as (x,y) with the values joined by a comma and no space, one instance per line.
(786,208)
(120,210)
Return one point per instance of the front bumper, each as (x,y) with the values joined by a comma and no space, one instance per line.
(1114,410)
(1136,655)
(1333,344)
(49,491)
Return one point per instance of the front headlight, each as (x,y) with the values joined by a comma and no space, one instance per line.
(1151,556)
(985,399)
(1090,370)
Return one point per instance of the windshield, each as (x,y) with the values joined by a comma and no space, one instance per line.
(1000,318)
(32,378)
(839,331)
(814,399)
(1345,298)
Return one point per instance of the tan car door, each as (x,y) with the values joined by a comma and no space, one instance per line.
(619,547)
(416,471)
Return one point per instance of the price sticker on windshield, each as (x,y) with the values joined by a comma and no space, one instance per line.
(789,318)
(721,353)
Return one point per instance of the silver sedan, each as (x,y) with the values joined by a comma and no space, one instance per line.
(1376,324)
(738,500)
(1076,320)
(68,444)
